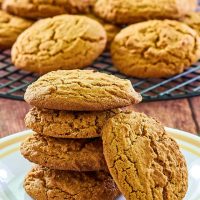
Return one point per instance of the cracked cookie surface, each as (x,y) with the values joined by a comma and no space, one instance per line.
(65,154)
(10,28)
(42,183)
(152,48)
(81,90)
(193,20)
(132,11)
(66,124)
(35,9)
(143,160)
(61,42)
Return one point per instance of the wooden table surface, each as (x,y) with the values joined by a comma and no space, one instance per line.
(182,114)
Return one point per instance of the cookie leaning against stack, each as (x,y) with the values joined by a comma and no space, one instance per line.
(145,162)
(70,109)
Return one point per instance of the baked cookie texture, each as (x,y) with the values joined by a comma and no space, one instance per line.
(144,161)
(81,90)
(61,42)
(152,48)
(66,124)
(42,183)
(193,20)
(132,11)
(10,28)
(65,154)
(35,9)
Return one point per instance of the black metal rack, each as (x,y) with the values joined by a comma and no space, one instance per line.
(13,82)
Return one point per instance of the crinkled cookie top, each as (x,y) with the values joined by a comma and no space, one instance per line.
(144,161)
(81,90)
(61,42)
(155,48)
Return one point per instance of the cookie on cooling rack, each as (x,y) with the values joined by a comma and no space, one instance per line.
(155,48)
(131,11)
(43,8)
(61,42)
(10,28)
(144,161)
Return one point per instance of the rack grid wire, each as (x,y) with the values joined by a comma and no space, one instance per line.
(13,82)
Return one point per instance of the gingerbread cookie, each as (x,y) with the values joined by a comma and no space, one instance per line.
(64,154)
(66,124)
(10,28)
(35,9)
(61,42)
(132,11)
(80,90)
(143,159)
(152,49)
(42,183)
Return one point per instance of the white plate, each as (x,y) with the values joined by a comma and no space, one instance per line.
(13,166)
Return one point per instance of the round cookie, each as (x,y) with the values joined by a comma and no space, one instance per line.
(193,20)
(10,28)
(64,154)
(35,9)
(152,49)
(132,11)
(42,183)
(81,90)
(66,124)
(61,42)
(143,160)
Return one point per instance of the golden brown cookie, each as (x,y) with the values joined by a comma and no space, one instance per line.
(143,159)
(64,154)
(81,90)
(193,20)
(10,29)
(66,124)
(35,9)
(61,42)
(111,29)
(42,183)
(152,48)
(131,11)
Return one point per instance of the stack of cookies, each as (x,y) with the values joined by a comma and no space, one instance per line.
(69,111)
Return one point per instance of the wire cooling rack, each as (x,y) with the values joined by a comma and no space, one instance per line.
(13,82)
